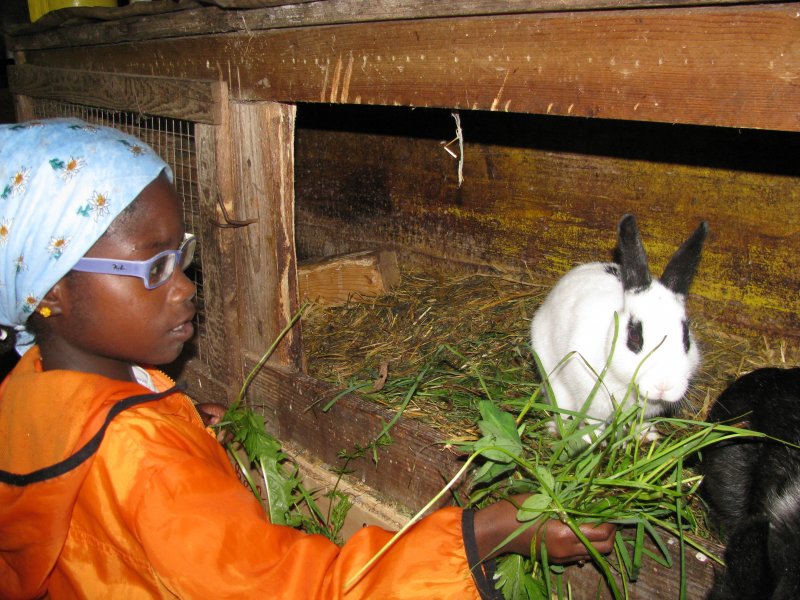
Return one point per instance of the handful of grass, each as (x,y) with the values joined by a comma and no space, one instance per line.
(614,477)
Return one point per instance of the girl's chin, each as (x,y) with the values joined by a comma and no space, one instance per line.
(170,355)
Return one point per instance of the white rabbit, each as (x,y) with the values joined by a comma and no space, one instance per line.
(578,317)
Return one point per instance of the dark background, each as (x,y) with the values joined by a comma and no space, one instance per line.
(12,12)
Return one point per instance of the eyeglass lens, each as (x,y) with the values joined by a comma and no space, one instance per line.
(161,270)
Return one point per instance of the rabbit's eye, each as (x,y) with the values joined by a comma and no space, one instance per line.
(635,340)
(687,341)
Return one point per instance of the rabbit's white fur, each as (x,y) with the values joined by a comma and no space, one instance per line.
(578,317)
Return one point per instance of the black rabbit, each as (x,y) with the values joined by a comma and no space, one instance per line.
(752,487)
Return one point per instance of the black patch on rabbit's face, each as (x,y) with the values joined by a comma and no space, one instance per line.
(687,341)
(635,339)
(613,269)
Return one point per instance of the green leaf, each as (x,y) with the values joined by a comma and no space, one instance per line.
(282,488)
(514,580)
(279,489)
(533,507)
(490,471)
(545,478)
(499,431)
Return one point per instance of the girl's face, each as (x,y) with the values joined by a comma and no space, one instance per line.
(107,322)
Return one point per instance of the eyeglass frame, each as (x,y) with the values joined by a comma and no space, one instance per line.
(141,268)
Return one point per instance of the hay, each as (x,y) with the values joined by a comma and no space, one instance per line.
(456,340)
(460,329)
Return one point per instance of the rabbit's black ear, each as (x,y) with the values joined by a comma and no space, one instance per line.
(680,271)
(631,255)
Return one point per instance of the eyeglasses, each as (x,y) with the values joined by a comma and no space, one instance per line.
(153,272)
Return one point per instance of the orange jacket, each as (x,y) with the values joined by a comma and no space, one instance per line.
(110,491)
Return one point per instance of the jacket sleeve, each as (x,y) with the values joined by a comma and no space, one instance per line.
(207,537)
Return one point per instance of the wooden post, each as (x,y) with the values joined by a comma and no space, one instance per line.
(262,149)
(23,108)
(220,346)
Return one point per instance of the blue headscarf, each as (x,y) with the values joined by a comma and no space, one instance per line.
(62,183)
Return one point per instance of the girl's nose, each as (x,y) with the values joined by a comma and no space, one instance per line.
(182,286)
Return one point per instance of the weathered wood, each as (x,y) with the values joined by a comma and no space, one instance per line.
(528,207)
(197,101)
(366,508)
(263,173)
(219,340)
(128,23)
(695,65)
(204,385)
(337,279)
(23,107)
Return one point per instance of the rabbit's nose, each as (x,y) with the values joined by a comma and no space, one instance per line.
(663,388)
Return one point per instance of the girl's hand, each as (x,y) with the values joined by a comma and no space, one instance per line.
(496,522)
(211,412)
(563,546)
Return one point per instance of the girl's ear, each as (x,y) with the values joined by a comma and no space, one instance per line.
(52,303)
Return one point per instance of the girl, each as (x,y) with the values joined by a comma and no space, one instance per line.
(110,485)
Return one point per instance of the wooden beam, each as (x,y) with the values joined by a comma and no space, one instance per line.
(219,340)
(23,107)
(132,23)
(197,101)
(696,65)
(410,471)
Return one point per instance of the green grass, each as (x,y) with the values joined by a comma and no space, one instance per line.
(586,474)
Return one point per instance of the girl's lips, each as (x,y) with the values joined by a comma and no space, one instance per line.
(184,332)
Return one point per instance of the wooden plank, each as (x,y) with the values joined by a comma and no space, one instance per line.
(203,384)
(337,279)
(367,508)
(197,101)
(696,65)
(544,211)
(415,467)
(220,346)
(128,27)
(262,135)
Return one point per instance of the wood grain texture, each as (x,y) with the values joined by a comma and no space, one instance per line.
(219,337)
(733,66)
(410,471)
(337,279)
(262,136)
(23,107)
(137,23)
(197,101)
